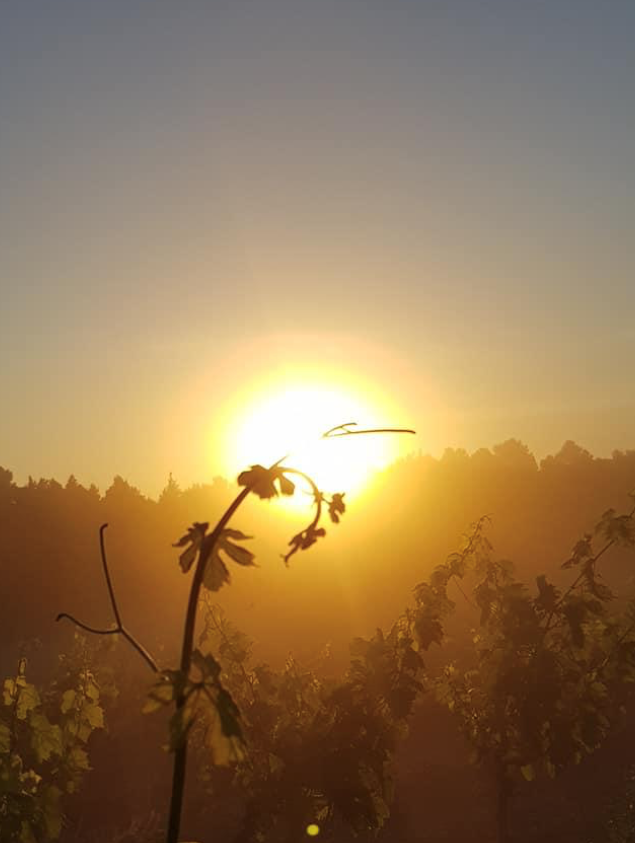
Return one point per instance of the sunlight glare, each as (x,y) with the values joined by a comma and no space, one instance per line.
(291,419)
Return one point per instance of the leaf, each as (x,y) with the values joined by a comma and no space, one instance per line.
(240,555)
(194,538)
(207,665)
(28,699)
(46,738)
(167,687)
(78,758)
(260,480)
(92,688)
(9,691)
(94,715)
(216,573)
(224,736)
(303,540)
(68,700)
(547,594)
(528,772)
(337,507)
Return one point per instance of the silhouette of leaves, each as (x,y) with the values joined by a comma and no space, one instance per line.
(207,703)
(337,507)
(303,540)
(192,541)
(216,573)
(266,483)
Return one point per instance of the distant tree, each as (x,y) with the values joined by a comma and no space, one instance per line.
(7,487)
(514,454)
(121,492)
(569,455)
(171,493)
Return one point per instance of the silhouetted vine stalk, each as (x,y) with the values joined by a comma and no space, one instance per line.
(260,481)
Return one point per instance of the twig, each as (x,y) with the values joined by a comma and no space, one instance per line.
(119,628)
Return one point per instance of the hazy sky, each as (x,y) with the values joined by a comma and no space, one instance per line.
(433,198)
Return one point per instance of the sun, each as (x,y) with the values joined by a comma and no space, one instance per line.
(288,420)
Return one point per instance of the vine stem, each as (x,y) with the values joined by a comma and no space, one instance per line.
(207,547)
(180,755)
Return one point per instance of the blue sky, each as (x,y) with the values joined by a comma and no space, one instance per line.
(184,185)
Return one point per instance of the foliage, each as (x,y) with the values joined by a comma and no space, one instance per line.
(549,669)
(207,702)
(44,736)
(319,750)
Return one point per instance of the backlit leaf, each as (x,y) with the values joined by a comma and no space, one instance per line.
(46,738)
(528,772)
(68,700)
(240,555)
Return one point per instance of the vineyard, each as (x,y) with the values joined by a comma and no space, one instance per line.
(526,679)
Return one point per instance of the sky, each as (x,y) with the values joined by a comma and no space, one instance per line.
(429,204)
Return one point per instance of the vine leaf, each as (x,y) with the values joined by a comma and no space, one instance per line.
(337,507)
(303,540)
(207,702)
(216,572)
(528,772)
(68,700)
(262,481)
(194,538)
(46,738)
(240,555)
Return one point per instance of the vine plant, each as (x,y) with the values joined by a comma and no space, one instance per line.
(550,671)
(44,736)
(195,688)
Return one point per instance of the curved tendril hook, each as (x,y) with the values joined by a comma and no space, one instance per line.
(309,532)
(344,430)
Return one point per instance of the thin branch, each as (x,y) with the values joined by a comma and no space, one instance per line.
(114,630)
(104,562)
(145,655)
(119,628)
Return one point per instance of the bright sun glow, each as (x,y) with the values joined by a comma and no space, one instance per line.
(290,419)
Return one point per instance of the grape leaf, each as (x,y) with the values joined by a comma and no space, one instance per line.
(262,481)
(194,538)
(94,715)
(68,700)
(337,507)
(46,738)
(240,555)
